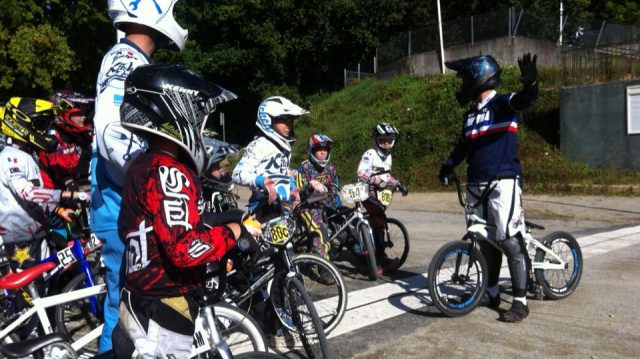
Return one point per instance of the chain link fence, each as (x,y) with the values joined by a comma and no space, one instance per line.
(581,41)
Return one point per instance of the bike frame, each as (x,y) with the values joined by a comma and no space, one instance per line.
(39,306)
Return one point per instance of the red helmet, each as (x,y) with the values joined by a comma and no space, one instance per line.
(72,104)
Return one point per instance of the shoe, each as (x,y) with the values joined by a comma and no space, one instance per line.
(280,341)
(326,278)
(391,266)
(490,302)
(516,314)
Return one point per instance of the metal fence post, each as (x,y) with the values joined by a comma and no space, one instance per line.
(471,29)
(375,63)
(409,45)
(345,77)
(600,34)
(509,22)
(358,72)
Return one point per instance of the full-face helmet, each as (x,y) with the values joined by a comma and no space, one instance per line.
(478,74)
(156,14)
(387,131)
(27,120)
(72,104)
(216,152)
(173,103)
(274,108)
(319,140)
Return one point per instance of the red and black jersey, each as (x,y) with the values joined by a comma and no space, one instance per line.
(166,241)
(63,164)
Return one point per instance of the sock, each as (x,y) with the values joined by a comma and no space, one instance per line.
(522,300)
(493,291)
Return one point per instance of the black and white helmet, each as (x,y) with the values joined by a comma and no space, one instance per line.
(216,151)
(171,102)
(384,130)
(275,107)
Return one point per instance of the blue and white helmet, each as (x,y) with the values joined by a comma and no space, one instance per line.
(275,107)
(156,14)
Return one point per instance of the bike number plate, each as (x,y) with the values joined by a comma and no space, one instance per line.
(65,256)
(279,233)
(355,192)
(385,197)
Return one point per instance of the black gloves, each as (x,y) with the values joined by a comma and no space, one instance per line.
(445,172)
(404,190)
(528,69)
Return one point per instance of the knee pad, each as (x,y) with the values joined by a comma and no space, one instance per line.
(517,258)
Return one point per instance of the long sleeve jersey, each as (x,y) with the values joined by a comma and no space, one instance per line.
(328,175)
(116,146)
(371,164)
(25,203)
(63,164)
(263,160)
(166,239)
(488,139)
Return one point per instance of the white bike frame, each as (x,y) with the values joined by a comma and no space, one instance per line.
(39,306)
(481,227)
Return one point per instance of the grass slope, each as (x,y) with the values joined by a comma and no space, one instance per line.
(425,112)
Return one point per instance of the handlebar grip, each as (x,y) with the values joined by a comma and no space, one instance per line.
(318,198)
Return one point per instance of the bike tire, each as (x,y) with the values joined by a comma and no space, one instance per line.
(264,355)
(368,250)
(306,320)
(330,299)
(453,294)
(560,283)
(239,330)
(75,319)
(396,240)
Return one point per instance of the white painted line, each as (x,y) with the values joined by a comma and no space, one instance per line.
(375,304)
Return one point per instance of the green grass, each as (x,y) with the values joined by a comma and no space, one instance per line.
(425,112)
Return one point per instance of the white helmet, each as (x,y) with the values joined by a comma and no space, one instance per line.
(275,107)
(156,14)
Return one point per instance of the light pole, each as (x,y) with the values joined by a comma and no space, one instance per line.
(441,41)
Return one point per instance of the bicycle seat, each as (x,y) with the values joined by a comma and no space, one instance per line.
(27,347)
(533,225)
(19,280)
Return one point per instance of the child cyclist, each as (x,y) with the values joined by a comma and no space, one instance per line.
(318,174)
(265,165)
(26,204)
(488,142)
(167,241)
(375,169)
(67,166)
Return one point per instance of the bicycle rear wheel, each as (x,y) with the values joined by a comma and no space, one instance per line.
(368,250)
(305,319)
(559,283)
(325,286)
(456,282)
(75,319)
(239,330)
(396,240)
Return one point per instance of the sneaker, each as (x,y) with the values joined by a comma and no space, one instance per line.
(490,302)
(516,314)
(391,266)
(326,278)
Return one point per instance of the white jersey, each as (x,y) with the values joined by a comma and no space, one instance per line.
(25,204)
(262,159)
(372,163)
(114,143)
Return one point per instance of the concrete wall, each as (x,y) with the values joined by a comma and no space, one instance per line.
(593,126)
(505,49)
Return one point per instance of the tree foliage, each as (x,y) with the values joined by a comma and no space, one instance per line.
(255,48)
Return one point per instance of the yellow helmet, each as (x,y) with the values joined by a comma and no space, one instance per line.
(27,120)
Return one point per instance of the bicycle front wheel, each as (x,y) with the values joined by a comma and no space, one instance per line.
(75,319)
(368,250)
(457,282)
(396,240)
(239,330)
(306,320)
(559,283)
(325,286)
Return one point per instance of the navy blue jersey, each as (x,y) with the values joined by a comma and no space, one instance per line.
(489,138)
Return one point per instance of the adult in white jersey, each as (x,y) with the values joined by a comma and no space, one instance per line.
(147,26)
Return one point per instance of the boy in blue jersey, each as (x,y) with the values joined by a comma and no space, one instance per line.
(488,142)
